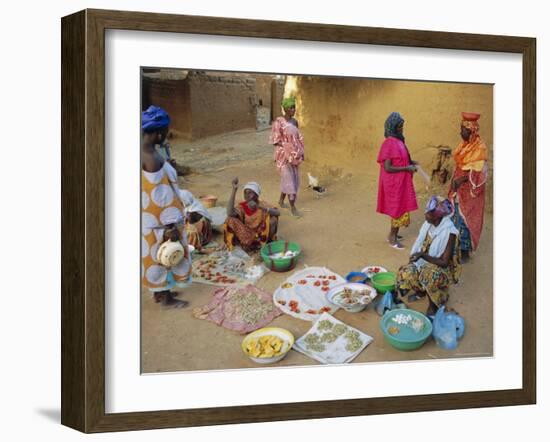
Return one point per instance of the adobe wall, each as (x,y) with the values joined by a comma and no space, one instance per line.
(277,92)
(174,96)
(221,103)
(343,119)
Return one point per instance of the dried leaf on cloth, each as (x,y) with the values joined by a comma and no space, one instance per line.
(330,341)
(240,308)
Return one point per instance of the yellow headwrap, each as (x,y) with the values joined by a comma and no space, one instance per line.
(471,154)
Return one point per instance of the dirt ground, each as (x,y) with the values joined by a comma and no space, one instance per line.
(341,231)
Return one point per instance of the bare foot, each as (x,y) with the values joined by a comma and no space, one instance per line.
(294,212)
(282,205)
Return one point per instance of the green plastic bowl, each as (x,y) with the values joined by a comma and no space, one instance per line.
(281,264)
(407,338)
(384,282)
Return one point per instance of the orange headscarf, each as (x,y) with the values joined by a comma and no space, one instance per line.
(471,154)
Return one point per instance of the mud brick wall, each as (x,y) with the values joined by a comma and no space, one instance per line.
(342,119)
(277,92)
(221,103)
(263,90)
(172,95)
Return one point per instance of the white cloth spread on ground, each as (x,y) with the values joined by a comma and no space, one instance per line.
(330,341)
(304,294)
(218,216)
(440,237)
(223,268)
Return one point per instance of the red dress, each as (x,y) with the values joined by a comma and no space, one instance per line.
(396,194)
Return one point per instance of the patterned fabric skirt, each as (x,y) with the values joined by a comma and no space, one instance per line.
(236,232)
(290,179)
(429,279)
(464,236)
(403,221)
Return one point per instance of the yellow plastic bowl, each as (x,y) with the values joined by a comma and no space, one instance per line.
(281,333)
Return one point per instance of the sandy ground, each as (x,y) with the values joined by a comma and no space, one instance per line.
(341,231)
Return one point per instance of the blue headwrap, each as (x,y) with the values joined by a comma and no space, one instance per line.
(440,207)
(390,126)
(154,118)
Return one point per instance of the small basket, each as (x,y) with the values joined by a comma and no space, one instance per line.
(209,201)
(280,264)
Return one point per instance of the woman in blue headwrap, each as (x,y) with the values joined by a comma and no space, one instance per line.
(162,213)
(434,263)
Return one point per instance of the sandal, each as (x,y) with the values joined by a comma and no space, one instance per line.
(397,246)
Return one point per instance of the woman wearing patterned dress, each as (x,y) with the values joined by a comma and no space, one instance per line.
(251,223)
(162,213)
(468,184)
(289,152)
(396,194)
(434,261)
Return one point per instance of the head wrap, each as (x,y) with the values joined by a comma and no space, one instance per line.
(439,207)
(391,124)
(255,187)
(470,121)
(154,118)
(288,102)
(471,154)
(192,204)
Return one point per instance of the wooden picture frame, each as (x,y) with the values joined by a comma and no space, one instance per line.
(83,219)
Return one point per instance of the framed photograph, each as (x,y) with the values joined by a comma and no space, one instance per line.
(267,221)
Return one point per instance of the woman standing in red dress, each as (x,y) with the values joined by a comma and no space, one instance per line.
(468,184)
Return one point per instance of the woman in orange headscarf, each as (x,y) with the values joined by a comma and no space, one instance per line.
(468,184)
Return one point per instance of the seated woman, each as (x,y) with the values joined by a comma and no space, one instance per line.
(433,264)
(199,221)
(252,223)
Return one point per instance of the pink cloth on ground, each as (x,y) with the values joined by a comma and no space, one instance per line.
(396,194)
(221,311)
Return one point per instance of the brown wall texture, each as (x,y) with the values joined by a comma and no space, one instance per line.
(221,103)
(174,96)
(202,104)
(342,119)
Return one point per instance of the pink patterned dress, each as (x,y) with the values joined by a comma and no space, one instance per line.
(288,154)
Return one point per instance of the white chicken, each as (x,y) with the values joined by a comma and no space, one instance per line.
(313,182)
